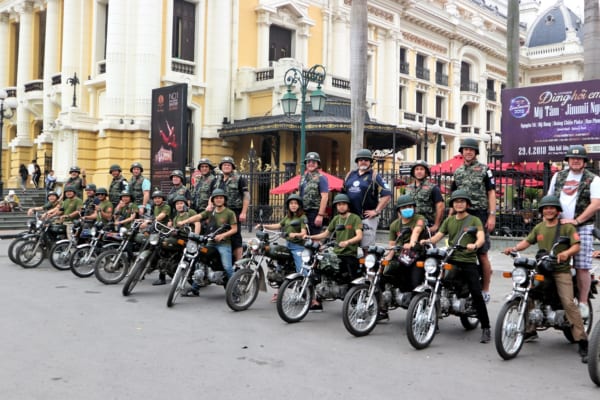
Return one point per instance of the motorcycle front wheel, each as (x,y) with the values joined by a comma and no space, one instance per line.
(594,355)
(242,289)
(587,324)
(292,302)
(358,313)
(13,248)
(136,273)
(420,329)
(110,268)
(508,333)
(60,255)
(82,261)
(30,255)
(468,322)
(177,286)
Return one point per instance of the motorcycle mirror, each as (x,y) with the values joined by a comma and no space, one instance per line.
(596,233)
(564,240)
(472,230)
(295,223)
(406,230)
(340,227)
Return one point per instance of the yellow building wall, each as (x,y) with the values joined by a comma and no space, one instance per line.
(315,40)
(260,104)
(247,33)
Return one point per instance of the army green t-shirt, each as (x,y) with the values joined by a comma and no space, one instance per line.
(286,226)
(182,217)
(125,212)
(351,224)
(164,207)
(218,219)
(544,236)
(71,205)
(454,228)
(104,207)
(397,226)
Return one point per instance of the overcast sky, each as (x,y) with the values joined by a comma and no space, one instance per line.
(575,5)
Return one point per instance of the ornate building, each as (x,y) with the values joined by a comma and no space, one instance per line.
(82,72)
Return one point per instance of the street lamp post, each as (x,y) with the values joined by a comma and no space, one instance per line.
(433,129)
(491,149)
(7,110)
(289,102)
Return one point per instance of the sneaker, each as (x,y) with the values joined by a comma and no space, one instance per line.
(191,293)
(486,297)
(316,307)
(382,315)
(583,351)
(584,310)
(486,336)
(530,337)
(274,298)
(159,282)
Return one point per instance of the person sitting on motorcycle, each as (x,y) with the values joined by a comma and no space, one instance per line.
(88,210)
(219,216)
(126,210)
(347,240)
(408,276)
(71,208)
(104,209)
(465,259)
(182,212)
(544,234)
(51,204)
(161,211)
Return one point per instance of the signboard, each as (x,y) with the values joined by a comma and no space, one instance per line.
(169,133)
(539,123)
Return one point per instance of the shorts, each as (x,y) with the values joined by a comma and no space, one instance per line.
(583,259)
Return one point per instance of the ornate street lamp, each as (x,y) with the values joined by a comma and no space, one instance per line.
(430,135)
(7,110)
(289,101)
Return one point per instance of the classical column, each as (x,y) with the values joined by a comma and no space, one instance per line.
(71,50)
(4,60)
(116,59)
(24,70)
(388,65)
(262,45)
(51,66)
(341,48)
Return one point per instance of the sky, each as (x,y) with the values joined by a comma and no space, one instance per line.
(575,5)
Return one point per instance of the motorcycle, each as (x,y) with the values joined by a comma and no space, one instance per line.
(84,256)
(161,250)
(534,302)
(201,261)
(249,276)
(112,265)
(320,277)
(362,303)
(594,342)
(60,253)
(33,226)
(442,294)
(34,250)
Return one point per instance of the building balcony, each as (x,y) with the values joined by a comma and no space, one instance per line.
(491,95)
(469,86)
(404,67)
(441,79)
(423,73)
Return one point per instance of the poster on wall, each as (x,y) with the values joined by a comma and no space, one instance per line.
(168,133)
(539,123)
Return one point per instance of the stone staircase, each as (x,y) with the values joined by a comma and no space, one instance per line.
(17,220)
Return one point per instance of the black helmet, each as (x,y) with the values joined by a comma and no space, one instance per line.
(420,163)
(207,162)
(312,156)
(158,193)
(218,192)
(179,198)
(90,186)
(102,191)
(405,200)
(136,165)
(70,188)
(469,143)
(178,173)
(75,168)
(114,167)
(576,151)
(294,197)
(52,193)
(549,200)
(460,194)
(227,160)
(363,153)
(125,193)
(341,198)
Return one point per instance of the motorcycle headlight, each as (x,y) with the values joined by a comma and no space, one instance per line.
(191,246)
(122,231)
(431,265)
(38,224)
(306,254)
(519,275)
(254,244)
(154,239)
(93,231)
(370,261)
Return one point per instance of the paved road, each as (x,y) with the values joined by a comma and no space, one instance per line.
(63,337)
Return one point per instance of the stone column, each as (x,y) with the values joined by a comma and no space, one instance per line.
(116,59)
(24,71)
(4,23)
(51,67)
(71,51)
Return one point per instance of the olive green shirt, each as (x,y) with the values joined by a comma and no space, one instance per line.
(218,219)
(287,227)
(454,228)
(71,205)
(544,236)
(351,224)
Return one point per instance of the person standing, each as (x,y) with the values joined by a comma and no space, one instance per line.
(478,180)
(178,189)
(204,181)
(579,192)
(427,196)
(117,185)
(368,193)
(314,191)
(139,187)
(50,182)
(37,173)
(23,173)
(76,180)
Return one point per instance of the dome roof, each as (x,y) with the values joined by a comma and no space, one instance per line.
(552,25)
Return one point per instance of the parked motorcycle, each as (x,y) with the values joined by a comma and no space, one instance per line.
(33,226)
(83,258)
(442,294)
(594,342)
(161,251)
(200,263)
(249,278)
(112,265)
(60,253)
(34,250)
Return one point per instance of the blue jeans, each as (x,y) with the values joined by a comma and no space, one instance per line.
(296,250)
(226,257)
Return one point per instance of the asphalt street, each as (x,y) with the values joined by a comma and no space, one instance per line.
(64,337)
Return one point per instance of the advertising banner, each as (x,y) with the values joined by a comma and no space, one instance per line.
(168,133)
(539,123)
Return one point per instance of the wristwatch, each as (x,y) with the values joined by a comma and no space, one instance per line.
(492,212)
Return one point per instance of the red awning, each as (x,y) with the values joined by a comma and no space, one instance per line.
(449,166)
(290,186)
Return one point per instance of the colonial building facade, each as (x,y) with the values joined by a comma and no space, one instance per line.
(83,71)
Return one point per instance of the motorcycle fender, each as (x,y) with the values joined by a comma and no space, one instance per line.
(512,296)
(83,246)
(262,286)
(110,246)
(359,281)
(422,289)
(294,276)
(241,263)
(63,241)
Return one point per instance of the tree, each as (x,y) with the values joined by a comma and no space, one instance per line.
(591,40)
(513,42)
(358,73)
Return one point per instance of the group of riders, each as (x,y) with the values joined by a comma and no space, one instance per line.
(222,198)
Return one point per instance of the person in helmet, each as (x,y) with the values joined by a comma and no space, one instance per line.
(178,190)
(407,277)
(478,180)
(545,235)
(368,193)
(118,184)
(294,227)
(579,192)
(104,209)
(238,198)
(314,190)
(126,210)
(161,211)
(427,195)
(77,180)
(50,208)
(139,187)
(466,259)
(215,219)
(347,239)
(202,185)
(183,212)
(88,211)
(71,205)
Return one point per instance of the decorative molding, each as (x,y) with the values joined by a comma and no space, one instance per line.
(377,12)
(424,42)
(547,78)
(495,70)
